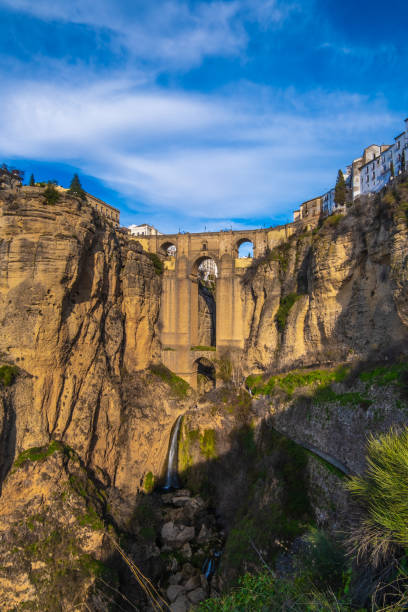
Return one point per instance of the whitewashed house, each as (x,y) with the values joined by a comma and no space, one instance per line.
(144,230)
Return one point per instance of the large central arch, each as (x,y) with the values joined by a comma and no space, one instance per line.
(204,272)
(190,288)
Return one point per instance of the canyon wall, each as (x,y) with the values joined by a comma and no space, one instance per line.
(340,290)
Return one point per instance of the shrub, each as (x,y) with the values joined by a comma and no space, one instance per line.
(333,220)
(157,263)
(148,483)
(7,375)
(39,453)
(207,444)
(179,386)
(264,591)
(286,304)
(383,492)
(51,194)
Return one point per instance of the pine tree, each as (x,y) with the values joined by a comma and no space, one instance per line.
(340,191)
(403,161)
(75,188)
(32,181)
(392,171)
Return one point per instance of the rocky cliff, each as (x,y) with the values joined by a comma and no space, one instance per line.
(79,305)
(335,293)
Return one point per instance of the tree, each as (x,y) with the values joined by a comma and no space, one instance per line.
(75,188)
(340,190)
(403,161)
(392,171)
(51,194)
(32,181)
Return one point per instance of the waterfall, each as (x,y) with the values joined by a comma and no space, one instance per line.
(172,478)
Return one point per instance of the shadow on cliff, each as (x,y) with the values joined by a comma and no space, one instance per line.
(255,486)
(8,436)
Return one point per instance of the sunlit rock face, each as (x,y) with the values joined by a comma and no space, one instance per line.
(347,284)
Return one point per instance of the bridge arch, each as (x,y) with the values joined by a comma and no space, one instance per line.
(208,260)
(244,247)
(205,373)
(168,249)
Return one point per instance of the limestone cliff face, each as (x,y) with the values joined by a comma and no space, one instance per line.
(78,307)
(348,284)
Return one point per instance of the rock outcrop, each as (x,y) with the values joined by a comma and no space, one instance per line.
(338,292)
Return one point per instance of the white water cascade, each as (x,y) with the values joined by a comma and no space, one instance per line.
(172,478)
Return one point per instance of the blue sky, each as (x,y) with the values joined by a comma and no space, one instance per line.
(194,114)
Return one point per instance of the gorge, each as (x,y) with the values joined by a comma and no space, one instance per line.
(302,348)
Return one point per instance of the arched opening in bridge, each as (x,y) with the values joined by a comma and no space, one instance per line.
(168,249)
(245,248)
(205,375)
(203,315)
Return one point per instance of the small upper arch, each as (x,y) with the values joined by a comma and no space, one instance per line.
(168,249)
(244,248)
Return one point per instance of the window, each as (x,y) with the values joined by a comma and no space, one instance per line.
(204,247)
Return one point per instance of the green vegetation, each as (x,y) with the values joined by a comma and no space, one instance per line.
(188,439)
(285,305)
(203,348)
(51,194)
(32,181)
(157,263)
(279,253)
(148,483)
(296,379)
(38,453)
(91,519)
(265,592)
(333,220)
(7,375)
(179,387)
(340,190)
(75,188)
(381,376)
(383,493)
(207,444)
(224,368)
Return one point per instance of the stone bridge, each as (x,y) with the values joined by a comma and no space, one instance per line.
(179,311)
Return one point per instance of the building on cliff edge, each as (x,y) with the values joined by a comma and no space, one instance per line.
(365,175)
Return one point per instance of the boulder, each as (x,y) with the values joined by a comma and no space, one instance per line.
(180,605)
(193,583)
(196,596)
(173,591)
(176,535)
(186,551)
(175,578)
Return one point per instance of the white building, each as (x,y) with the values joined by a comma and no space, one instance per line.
(144,230)
(376,172)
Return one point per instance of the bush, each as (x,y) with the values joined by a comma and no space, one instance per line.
(286,304)
(333,220)
(39,453)
(179,386)
(157,263)
(51,194)
(148,483)
(7,375)
(383,492)
(265,592)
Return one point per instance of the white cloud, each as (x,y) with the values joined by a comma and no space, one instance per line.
(198,157)
(169,33)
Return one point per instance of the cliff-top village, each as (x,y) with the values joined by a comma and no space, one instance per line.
(365,175)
